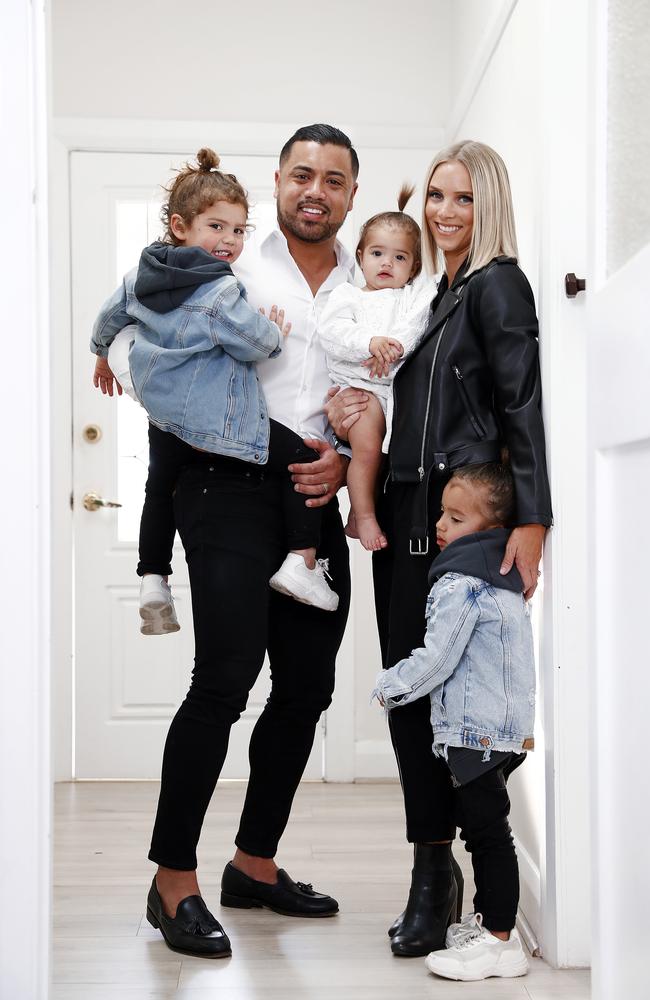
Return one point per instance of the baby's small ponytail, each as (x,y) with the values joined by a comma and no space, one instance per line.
(404,196)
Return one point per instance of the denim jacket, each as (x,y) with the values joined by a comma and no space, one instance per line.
(191,365)
(477,664)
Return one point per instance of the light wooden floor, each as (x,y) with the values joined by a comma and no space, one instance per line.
(346,839)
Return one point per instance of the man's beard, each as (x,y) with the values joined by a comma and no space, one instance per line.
(308,232)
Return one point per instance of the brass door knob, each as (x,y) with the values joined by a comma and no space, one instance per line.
(92,433)
(92,501)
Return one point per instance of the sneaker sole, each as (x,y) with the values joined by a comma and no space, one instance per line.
(512,972)
(277,583)
(158,619)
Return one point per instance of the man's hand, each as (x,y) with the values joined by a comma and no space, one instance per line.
(324,477)
(103,378)
(384,351)
(343,409)
(524,550)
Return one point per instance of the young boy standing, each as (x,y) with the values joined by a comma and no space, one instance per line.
(477,666)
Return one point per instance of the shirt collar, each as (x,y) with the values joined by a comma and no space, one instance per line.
(271,233)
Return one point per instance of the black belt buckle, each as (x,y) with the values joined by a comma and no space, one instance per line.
(415,546)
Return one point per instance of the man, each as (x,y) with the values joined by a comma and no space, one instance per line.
(230,523)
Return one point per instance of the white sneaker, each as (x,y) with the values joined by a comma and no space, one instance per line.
(156,607)
(455,930)
(309,586)
(477,954)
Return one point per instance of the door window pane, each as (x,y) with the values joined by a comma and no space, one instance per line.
(628,130)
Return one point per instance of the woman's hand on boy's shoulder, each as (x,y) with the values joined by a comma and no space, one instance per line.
(524,550)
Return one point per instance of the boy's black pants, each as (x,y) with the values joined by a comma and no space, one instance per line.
(482,809)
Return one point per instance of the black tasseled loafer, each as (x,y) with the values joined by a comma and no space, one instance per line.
(193,931)
(293,899)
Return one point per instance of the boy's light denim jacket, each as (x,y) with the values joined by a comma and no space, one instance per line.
(191,363)
(477,664)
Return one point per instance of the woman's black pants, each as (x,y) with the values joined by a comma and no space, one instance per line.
(229,515)
(401,589)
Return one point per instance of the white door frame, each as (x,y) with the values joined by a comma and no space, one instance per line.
(25,780)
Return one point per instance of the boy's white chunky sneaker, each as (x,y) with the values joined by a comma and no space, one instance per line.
(460,929)
(309,586)
(477,954)
(156,607)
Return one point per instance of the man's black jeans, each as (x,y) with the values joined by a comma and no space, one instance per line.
(168,455)
(229,515)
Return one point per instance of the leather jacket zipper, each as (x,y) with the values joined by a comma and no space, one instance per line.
(426,416)
(473,419)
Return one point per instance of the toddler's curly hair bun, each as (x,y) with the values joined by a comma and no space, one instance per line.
(196,187)
(207,159)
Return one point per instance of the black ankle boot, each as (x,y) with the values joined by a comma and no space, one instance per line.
(460,886)
(432,902)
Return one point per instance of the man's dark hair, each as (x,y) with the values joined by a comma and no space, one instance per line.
(324,135)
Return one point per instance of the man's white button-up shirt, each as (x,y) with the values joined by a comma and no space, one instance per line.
(295,383)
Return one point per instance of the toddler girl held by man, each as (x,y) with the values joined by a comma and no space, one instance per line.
(367,333)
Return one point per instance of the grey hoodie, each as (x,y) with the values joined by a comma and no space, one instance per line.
(479,555)
(167,275)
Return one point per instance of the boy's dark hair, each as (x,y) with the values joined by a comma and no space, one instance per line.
(396,220)
(497,479)
(324,135)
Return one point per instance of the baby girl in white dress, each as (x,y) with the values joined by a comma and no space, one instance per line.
(367,333)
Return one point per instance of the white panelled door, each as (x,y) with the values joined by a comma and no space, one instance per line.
(128,686)
(619,452)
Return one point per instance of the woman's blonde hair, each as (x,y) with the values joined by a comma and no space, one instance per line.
(494,233)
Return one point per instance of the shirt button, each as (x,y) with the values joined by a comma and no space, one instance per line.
(261,416)
(257,458)
(212,468)
(205,491)
(441,466)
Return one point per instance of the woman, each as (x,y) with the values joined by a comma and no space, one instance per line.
(471,387)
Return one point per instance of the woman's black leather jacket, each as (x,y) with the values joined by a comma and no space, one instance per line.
(471,386)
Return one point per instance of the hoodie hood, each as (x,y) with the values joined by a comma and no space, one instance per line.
(168,275)
(480,555)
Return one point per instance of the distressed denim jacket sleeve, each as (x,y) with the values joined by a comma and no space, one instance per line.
(112,318)
(240,330)
(454,614)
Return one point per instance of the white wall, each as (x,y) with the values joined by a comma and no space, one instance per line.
(25,799)
(370,62)
(507,100)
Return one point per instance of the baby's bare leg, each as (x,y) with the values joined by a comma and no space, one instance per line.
(366,436)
